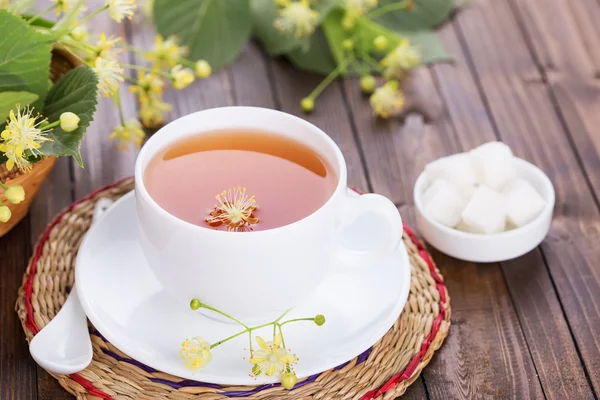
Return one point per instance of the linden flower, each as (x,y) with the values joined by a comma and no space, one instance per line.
(401,59)
(166,53)
(387,100)
(107,48)
(63,5)
(271,358)
(22,133)
(109,75)
(235,210)
(195,352)
(297,19)
(130,132)
(80,32)
(181,77)
(361,6)
(119,9)
(148,82)
(152,110)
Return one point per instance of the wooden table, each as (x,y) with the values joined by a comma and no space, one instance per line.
(527,72)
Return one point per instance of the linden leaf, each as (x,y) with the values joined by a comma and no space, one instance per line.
(425,15)
(76,92)
(8,100)
(214,30)
(317,59)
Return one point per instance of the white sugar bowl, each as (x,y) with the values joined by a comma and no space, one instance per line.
(495,247)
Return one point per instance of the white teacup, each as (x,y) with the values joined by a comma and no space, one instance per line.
(254,276)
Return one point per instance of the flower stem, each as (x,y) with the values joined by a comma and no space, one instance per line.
(229,338)
(378,12)
(3,186)
(134,49)
(230,317)
(117,100)
(294,320)
(71,52)
(91,15)
(281,333)
(141,68)
(132,81)
(334,74)
(35,17)
(371,61)
(52,125)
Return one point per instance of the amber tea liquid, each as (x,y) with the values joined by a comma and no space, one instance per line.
(288,180)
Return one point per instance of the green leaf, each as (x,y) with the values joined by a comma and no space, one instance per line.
(8,100)
(24,57)
(336,34)
(75,92)
(431,45)
(317,59)
(427,14)
(41,22)
(214,30)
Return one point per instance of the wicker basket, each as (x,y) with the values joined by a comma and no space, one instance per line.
(31,181)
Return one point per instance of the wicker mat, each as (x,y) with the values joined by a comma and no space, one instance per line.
(383,372)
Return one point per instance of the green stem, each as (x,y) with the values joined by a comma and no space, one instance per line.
(282,315)
(90,16)
(294,320)
(75,55)
(141,68)
(3,186)
(134,49)
(370,60)
(35,17)
(117,101)
(52,125)
(401,5)
(230,317)
(282,339)
(229,338)
(334,74)
(131,80)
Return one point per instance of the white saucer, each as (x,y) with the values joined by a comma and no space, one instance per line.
(126,303)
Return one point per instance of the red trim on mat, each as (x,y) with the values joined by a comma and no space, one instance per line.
(91,389)
(437,323)
(28,286)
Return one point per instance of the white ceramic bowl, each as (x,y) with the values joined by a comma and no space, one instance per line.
(495,247)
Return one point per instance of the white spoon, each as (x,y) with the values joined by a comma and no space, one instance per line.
(64,346)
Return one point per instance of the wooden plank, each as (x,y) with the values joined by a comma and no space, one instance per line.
(330,113)
(522,114)
(104,164)
(17,368)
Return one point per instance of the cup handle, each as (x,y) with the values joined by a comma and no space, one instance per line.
(357,206)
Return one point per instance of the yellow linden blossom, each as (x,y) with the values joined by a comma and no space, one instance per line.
(387,100)
(297,19)
(361,6)
(195,352)
(107,47)
(80,32)
(119,9)
(235,210)
(22,133)
(403,58)
(166,53)
(64,5)
(148,82)
(181,77)
(271,358)
(152,110)
(130,132)
(109,75)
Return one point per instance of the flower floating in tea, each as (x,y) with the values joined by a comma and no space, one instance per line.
(272,357)
(235,210)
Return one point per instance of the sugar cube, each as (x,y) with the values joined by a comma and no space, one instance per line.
(443,203)
(523,202)
(493,165)
(485,212)
(456,169)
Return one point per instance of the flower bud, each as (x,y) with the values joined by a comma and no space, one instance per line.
(380,42)
(69,121)
(307,104)
(195,304)
(367,84)
(288,380)
(202,69)
(4,214)
(348,44)
(320,319)
(15,194)
(181,77)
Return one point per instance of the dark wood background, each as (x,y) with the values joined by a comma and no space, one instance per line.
(527,72)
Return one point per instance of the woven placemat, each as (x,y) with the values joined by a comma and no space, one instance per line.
(384,371)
